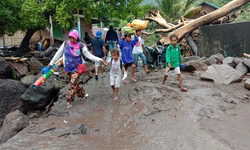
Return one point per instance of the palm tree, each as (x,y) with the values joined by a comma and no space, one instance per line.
(173,9)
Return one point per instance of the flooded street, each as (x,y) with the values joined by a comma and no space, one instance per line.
(147,117)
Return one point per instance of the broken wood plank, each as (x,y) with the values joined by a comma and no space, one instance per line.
(183,20)
(45,45)
(43,39)
(12,58)
(143,32)
(168,30)
(246,55)
(22,60)
(15,68)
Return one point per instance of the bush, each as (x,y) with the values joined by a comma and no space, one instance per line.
(243,17)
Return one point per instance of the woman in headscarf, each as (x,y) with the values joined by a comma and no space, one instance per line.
(71,58)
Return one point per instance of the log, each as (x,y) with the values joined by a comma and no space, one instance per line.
(155,15)
(43,39)
(246,55)
(183,20)
(45,45)
(146,33)
(181,32)
(168,30)
(12,58)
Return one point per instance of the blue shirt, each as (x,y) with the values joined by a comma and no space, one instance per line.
(71,62)
(98,44)
(127,49)
(111,35)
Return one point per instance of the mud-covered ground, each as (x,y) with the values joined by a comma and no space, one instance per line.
(147,117)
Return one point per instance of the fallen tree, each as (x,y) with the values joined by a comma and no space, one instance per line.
(182,31)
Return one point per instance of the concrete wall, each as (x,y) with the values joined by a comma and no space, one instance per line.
(228,39)
(17,38)
(1,41)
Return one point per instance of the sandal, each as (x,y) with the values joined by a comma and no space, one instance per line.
(69,105)
(113,93)
(116,98)
(86,96)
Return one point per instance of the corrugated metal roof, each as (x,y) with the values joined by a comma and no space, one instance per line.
(210,4)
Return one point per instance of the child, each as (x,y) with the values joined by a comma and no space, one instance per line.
(139,51)
(173,60)
(115,72)
(126,46)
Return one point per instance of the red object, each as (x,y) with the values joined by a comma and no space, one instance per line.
(38,82)
(81,68)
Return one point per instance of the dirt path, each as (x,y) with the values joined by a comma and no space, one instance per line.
(147,117)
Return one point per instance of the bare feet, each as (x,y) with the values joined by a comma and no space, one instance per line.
(148,71)
(69,105)
(86,95)
(133,79)
(184,89)
(163,85)
(116,98)
(113,93)
(124,82)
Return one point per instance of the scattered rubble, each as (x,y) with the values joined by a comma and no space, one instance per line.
(247,84)
(6,70)
(28,80)
(242,68)
(229,61)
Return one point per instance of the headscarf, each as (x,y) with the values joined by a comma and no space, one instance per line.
(74,47)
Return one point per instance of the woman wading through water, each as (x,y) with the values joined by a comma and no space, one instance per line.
(72,52)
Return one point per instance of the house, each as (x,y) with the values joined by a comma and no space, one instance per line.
(206,8)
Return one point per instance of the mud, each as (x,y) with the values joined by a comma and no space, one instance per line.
(147,117)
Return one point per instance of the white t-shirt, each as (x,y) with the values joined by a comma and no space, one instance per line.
(138,47)
(115,67)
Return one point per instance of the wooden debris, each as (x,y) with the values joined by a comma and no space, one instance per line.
(15,68)
(43,39)
(146,33)
(246,55)
(45,45)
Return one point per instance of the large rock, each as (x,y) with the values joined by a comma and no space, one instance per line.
(5,69)
(222,74)
(242,68)
(23,68)
(13,123)
(37,63)
(247,62)
(238,60)
(11,92)
(39,98)
(190,58)
(229,61)
(195,65)
(247,84)
(215,59)
(28,80)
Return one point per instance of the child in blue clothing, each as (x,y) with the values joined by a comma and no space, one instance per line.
(126,46)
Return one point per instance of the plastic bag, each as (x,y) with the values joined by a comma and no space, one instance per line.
(138,24)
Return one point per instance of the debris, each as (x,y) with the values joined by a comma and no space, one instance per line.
(247,84)
(238,60)
(190,58)
(222,74)
(246,55)
(15,68)
(247,62)
(28,80)
(65,121)
(6,70)
(229,61)
(13,123)
(242,68)
(39,66)
(195,65)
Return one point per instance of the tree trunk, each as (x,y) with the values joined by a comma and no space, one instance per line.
(155,15)
(24,48)
(205,19)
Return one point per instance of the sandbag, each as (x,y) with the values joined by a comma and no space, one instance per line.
(138,24)
(128,30)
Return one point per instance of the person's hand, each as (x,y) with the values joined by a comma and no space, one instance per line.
(169,65)
(103,62)
(105,57)
(145,53)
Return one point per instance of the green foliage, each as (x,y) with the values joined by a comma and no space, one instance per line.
(9,18)
(32,14)
(243,17)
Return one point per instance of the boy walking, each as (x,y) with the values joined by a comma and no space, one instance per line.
(173,60)
(139,51)
(115,72)
(99,50)
(126,46)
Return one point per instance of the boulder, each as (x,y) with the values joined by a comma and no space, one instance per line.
(195,65)
(23,68)
(11,92)
(219,57)
(247,84)
(247,62)
(222,74)
(212,60)
(242,68)
(13,123)
(229,61)
(238,60)
(6,70)
(215,59)
(37,63)
(190,58)
(28,80)
(39,98)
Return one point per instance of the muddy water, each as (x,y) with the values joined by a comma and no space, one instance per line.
(147,117)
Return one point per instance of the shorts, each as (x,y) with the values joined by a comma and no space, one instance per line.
(175,71)
(98,63)
(115,81)
(128,65)
(143,58)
